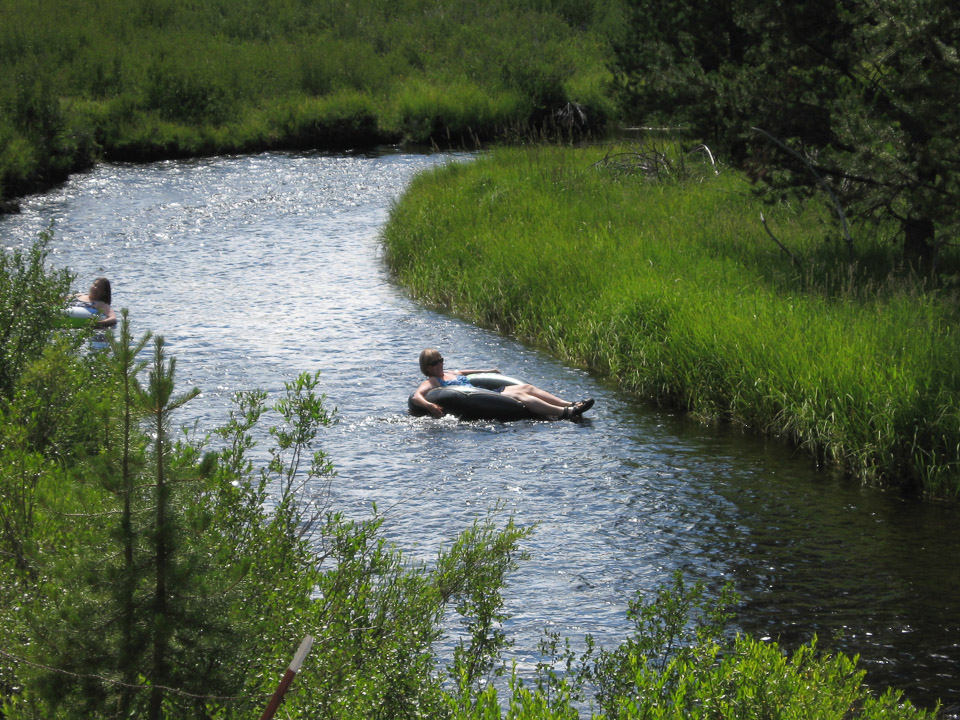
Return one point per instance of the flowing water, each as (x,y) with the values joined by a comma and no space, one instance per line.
(256,269)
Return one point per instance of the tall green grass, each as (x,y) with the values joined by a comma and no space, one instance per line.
(676,290)
(186,77)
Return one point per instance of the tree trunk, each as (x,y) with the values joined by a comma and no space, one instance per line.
(918,240)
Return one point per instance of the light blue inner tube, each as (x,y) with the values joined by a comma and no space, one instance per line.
(478,401)
(78,316)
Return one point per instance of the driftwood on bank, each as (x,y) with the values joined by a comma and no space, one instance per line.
(655,162)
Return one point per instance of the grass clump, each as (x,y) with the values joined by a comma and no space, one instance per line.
(675,289)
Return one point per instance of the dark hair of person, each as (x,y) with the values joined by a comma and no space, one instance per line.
(100,290)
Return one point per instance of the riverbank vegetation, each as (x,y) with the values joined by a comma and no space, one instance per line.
(654,267)
(88,80)
(155,573)
(152,573)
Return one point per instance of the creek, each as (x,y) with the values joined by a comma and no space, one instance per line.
(257,268)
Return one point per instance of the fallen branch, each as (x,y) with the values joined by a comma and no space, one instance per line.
(793,256)
(706,150)
(823,184)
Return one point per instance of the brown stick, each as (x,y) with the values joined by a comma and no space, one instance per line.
(793,256)
(287,678)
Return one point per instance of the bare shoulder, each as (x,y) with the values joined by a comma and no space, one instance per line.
(427,384)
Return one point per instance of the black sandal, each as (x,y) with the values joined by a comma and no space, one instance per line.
(579,408)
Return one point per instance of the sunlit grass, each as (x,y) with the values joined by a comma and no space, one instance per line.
(179,78)
(454,111)
(676,290)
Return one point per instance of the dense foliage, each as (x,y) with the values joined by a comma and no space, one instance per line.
(862,95)
(678,664)
(159,78)
(147,573)
(30,297)
(645,265)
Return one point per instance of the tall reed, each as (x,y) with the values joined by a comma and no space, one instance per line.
(675,289)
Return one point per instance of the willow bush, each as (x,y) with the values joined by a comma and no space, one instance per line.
(680,662)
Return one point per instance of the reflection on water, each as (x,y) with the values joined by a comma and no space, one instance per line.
(258,268)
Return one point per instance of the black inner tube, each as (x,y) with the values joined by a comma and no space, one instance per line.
(479,402)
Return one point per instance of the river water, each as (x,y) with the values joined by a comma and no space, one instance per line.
(258,268)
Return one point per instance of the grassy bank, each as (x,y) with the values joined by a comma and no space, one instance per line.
(96,79)
(675,289)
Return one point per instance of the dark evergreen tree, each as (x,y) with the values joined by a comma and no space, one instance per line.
(896,144)
(863,93)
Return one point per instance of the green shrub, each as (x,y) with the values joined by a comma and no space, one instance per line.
(18,162)
(31,297)
(181,94)
(680,664)
(343,119)
(452,113)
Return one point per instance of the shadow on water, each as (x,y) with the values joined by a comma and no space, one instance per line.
(258,268)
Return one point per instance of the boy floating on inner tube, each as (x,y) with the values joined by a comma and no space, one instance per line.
(537,401)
